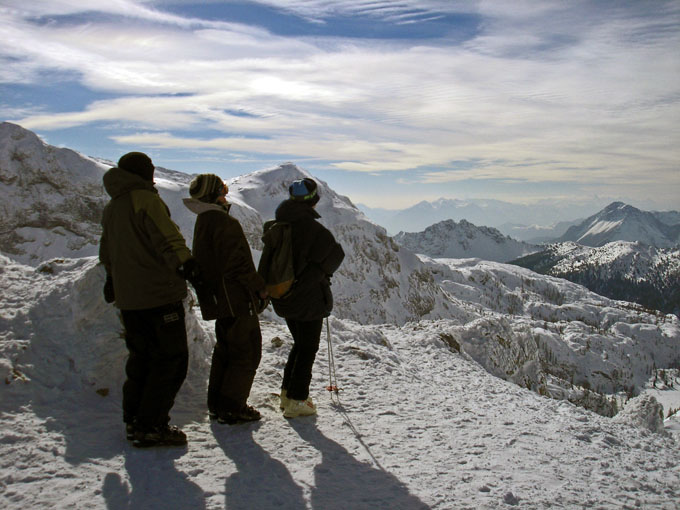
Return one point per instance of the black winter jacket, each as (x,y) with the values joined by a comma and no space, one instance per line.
(221,249)
(317,256)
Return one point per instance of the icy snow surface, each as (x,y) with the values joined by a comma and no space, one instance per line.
(417,424)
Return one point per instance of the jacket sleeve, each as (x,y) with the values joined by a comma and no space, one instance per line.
(164,234)
(104,256)
(327,252)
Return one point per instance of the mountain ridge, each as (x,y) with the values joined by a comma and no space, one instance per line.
(448,239)
(623,222)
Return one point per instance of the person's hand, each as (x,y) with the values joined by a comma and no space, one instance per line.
(262,302)
(191,271)
(109,294)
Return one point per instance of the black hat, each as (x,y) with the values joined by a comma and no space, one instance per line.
(137,163)
(206,187)
(304,190)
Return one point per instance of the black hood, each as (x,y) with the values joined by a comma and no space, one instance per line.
(292,211)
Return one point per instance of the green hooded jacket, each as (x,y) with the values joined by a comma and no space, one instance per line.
(141,247)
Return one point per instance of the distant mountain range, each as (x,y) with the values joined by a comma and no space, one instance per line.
(621,270)
(448,239)
(632,255)
(543,221)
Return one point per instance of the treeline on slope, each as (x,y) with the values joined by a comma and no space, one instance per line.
(658,290)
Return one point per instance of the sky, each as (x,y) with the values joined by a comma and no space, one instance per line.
(389,102)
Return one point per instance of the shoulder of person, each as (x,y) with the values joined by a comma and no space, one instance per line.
(146,198)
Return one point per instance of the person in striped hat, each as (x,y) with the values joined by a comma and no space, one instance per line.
(233,294)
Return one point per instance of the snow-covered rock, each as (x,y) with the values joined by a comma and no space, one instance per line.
(553,336)
(643,412)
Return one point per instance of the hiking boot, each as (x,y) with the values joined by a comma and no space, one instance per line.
(129,431)
(296,408)
(169,435)
(245,414)
(284,400)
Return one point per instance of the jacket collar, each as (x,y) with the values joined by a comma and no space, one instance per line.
(198,207)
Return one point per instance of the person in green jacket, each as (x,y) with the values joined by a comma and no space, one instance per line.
(233,294)
(147,261)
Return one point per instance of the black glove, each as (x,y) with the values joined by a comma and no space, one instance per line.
(109,295)
(262,304)
(192,272)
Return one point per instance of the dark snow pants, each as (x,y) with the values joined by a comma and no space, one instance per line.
(235,359)
(156,339)
(297,375)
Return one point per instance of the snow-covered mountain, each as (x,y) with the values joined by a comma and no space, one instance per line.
(621,222)
(433,413)
(52,200)
(378,283)
(448,239)
(622,270)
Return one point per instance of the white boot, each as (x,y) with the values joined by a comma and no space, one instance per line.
(284,400)
(296,408)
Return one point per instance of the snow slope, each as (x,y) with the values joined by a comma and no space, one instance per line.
(417,424)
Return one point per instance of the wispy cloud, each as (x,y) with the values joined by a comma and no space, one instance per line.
(548,91)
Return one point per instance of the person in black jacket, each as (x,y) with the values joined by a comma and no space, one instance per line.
(317,256)
(232,294)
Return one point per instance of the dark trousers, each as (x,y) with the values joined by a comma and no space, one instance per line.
(235,359)
(297,375)
(156,339)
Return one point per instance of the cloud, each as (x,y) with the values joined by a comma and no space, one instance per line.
(543,92)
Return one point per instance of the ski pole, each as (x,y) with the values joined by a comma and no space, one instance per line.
(332,376)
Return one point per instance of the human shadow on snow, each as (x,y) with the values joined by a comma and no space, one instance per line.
(342,482)
(154,483)
(260,481)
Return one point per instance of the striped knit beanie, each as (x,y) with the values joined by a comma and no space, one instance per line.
(206,187)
